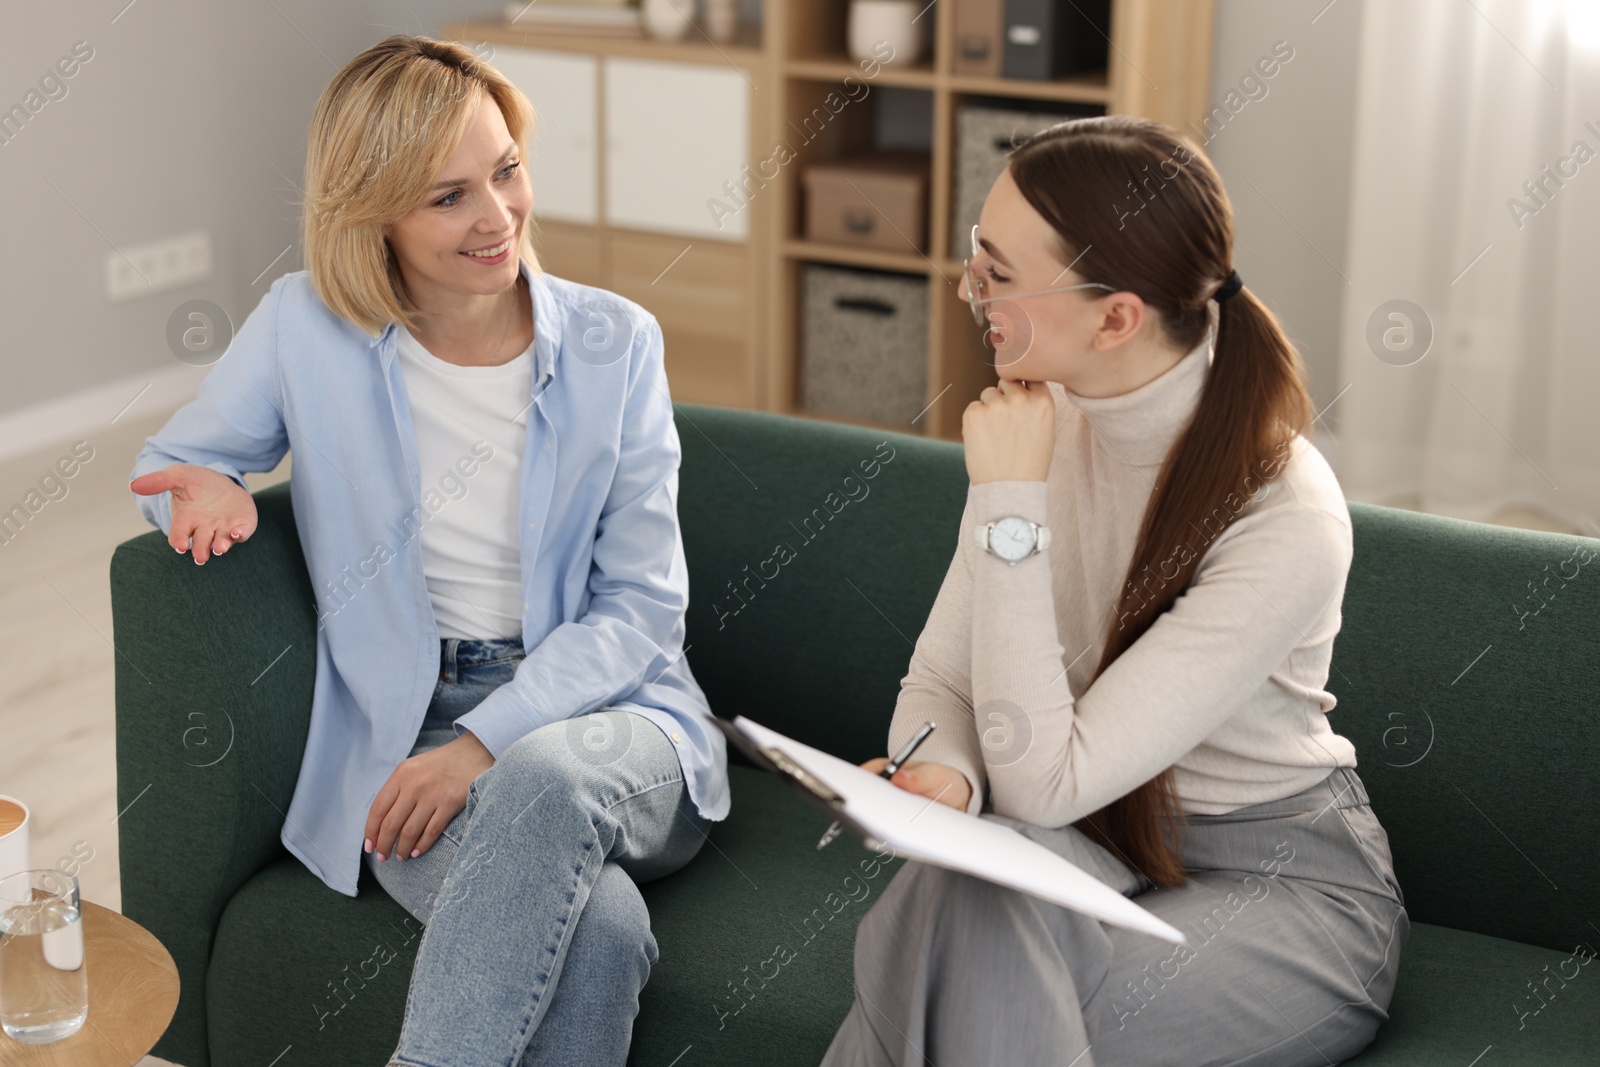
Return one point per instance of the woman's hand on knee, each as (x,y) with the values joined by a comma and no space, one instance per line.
(422,795)
(936,781)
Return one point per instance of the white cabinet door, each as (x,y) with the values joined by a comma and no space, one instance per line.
(675,134)
(563,88)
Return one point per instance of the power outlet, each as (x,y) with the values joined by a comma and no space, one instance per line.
(156,266)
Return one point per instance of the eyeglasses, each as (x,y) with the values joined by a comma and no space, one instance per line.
(974,284)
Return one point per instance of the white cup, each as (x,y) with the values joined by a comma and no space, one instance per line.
(14,820)
(873,21)
(667,20)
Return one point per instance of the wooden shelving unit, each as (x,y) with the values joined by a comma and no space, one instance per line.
(709,292)
(1159,66)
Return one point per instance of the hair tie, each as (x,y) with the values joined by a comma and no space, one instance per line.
(1229,288)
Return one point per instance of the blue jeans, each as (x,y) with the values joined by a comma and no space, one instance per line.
(537,941)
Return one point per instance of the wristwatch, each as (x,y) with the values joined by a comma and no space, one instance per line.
(1012,538)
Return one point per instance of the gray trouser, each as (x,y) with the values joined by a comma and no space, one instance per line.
(1294,921)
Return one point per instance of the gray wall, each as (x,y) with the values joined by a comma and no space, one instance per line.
(189,115)
(194,114)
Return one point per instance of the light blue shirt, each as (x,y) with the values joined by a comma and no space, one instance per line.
(604,580)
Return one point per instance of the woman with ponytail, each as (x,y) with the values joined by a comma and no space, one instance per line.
(1131,650)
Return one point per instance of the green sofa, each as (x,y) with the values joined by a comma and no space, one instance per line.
(1475,720)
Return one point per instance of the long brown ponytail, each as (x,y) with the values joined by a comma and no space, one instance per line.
(1148,214)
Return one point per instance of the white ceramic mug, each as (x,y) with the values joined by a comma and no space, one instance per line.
(667,20)
(14,820)
(872,21)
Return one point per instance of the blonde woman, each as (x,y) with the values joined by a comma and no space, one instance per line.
(503,728)
(1131,650)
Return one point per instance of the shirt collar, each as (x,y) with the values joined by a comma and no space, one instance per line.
(1139,426)
(548,325)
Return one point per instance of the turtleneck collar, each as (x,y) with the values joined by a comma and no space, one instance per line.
(1138,427)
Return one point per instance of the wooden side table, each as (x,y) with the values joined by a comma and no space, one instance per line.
(133,992)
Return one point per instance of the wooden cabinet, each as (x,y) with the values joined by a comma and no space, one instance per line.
(565,153)
(703,303)
(676,134)
(638,146)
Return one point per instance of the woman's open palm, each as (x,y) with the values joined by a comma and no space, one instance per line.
(210,511)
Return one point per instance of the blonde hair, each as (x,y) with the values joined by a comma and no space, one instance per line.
(383,129)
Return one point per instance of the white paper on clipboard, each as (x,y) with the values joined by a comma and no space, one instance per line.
(920,829)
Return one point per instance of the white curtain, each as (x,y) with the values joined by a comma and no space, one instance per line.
(1461,107)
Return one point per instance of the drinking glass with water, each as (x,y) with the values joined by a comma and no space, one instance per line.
(44,987)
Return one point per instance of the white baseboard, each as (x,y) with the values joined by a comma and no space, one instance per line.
(84,414)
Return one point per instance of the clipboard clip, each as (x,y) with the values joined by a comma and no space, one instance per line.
(811,787)
(802,777)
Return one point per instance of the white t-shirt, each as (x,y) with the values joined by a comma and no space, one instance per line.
(470,423)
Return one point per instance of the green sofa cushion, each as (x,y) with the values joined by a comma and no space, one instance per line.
(759,908)
(1461,994)
(283,931)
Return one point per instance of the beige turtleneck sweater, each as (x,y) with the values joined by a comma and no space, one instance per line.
(1228,684)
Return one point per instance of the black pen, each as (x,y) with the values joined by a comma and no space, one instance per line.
(889,768)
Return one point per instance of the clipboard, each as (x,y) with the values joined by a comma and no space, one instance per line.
(919,828)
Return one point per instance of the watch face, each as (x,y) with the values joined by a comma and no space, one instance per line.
(1011,538)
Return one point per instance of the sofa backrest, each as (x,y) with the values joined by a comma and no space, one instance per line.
(1468,677)
(1479,766)
(1467,669)
(815,550)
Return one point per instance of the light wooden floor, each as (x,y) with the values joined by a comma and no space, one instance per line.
(56,696)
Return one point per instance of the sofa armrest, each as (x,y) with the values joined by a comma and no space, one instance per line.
(214,672)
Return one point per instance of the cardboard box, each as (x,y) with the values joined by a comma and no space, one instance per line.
(980,37)
(876,201)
